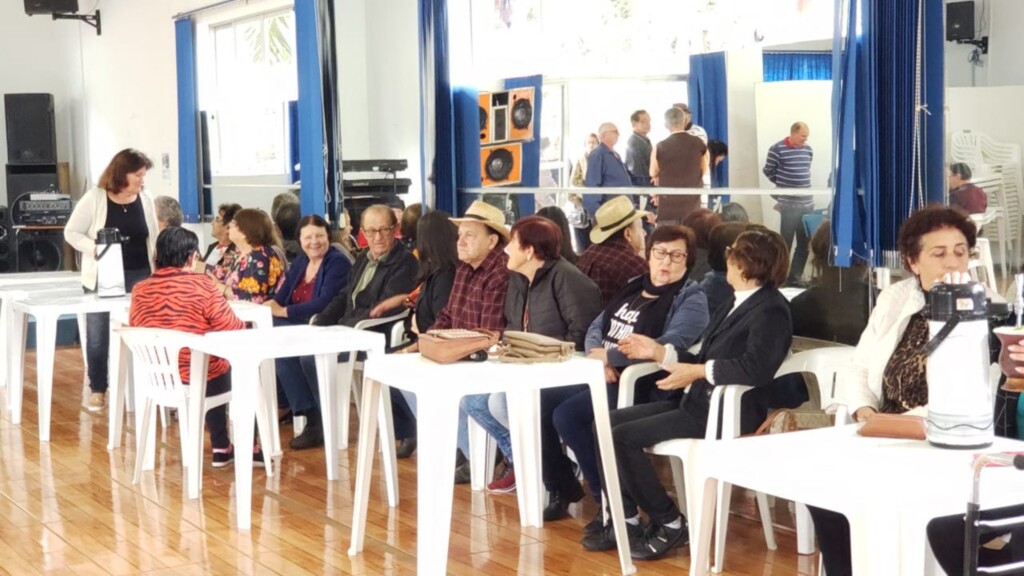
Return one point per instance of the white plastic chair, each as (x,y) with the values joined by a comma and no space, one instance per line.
(158,384)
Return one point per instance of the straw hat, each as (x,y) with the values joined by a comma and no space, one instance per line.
(484,213)
(612,216)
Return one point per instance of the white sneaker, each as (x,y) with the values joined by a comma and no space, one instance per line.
(97,401)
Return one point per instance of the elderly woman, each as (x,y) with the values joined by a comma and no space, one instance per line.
(715,283)
(701,221)
(221,252)
(118,201)
(175,298)
(745,343)
(964,195)
(168,212)
(888,372)
(257,270)
(662,308)
(546,295)
(315,277)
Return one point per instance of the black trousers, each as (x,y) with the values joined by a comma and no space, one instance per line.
(945,536)
(97,339)
(217,418)
(555,465)
(636,428)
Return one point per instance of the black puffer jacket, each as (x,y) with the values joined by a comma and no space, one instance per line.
(561,301)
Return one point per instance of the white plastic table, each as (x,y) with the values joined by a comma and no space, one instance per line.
(259,316)
(245,350)
(10,291)
(46,310)
(438,389)
(888,489)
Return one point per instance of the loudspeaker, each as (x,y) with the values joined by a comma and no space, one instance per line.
(22,179)
(39,250)
(960,21)
(522,114)
(484,101)
(31,136)
(501,165)
(33,7)
(6,241)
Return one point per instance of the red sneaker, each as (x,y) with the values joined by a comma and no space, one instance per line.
(506,482)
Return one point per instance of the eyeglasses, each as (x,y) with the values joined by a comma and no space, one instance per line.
(677,256)
(383,231)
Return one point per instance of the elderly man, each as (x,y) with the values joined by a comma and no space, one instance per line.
(789,166)
(176,298)
(638,149)
(679,161)
(385,269)
(617,239)
(477,298)
(605,168)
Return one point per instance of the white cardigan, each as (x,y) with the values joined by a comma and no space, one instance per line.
(89,216)
(860,384)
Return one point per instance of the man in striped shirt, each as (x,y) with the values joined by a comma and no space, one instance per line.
(789,166)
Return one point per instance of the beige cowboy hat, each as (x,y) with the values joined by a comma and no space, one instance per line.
(484,213)
(612,216)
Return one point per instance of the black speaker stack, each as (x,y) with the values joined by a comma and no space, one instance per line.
(31,167)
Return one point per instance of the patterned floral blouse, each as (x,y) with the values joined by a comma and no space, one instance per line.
(255,276)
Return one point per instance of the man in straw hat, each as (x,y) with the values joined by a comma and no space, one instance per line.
(618,240)
(477,299)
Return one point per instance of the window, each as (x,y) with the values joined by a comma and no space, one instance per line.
(254,78)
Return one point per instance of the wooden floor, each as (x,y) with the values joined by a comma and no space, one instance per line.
(69,507)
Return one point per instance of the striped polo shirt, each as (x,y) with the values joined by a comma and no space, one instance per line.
(789,167)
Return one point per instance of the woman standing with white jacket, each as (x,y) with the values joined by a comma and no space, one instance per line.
(118,201)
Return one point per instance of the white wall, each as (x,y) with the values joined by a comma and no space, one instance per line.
(1001,21)
(985,110)
(743,70)
(779,105)
(41,55)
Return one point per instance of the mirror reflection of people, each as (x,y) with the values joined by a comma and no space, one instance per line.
(788,165)
(638,149)
(117,201)
(888,372)
(577,214)
(964,195)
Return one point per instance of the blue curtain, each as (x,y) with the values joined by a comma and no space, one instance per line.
(708,100)
(874,105)
(312,196)
(189,184)
(435,79)
(781,66)
(467,144)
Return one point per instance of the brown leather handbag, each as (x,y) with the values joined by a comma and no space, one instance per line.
(527,348)
(448,346)
(894,426)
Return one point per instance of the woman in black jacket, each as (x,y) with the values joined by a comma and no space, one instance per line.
(748,338)
(546,295)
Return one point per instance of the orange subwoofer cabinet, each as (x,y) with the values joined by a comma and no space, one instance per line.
(501,165)
(484,100)
(521,115)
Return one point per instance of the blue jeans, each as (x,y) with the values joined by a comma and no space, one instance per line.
(463,428)
(477,407)
(97,337)
(792,225)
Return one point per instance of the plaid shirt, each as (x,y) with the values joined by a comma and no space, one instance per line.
(477,299)
(610,265)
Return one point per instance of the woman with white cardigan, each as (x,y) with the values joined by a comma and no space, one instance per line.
(118,201)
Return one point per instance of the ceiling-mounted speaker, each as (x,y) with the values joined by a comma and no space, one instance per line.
(33,7)
(484,101)
(521,102)
(501,165)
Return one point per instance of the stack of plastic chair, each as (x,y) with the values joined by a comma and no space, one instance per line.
(997,170)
